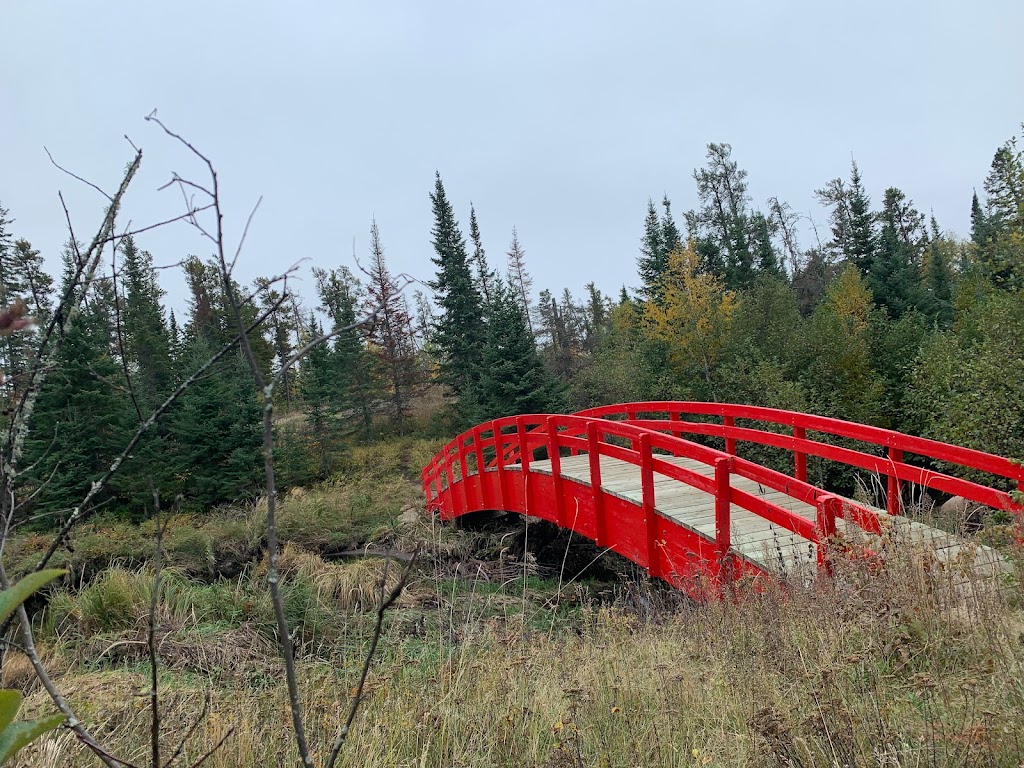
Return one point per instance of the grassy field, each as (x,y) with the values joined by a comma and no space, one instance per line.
(491,660)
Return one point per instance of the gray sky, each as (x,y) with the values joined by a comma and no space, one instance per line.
(560,118)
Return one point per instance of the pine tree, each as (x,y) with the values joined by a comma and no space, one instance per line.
(458,331)
(837,198)
(391,332)
(519,279)
(723,222)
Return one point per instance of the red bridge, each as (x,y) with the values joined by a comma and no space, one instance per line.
(625,477)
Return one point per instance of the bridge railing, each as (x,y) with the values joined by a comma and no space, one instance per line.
(493,447)
(670,417)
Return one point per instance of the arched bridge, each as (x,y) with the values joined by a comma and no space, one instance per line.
(626,477)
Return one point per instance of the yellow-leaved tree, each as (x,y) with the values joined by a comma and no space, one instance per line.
(692,317)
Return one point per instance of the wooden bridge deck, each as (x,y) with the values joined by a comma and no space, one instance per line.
(757,540)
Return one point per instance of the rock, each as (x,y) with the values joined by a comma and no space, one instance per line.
(969,514)
(410,514)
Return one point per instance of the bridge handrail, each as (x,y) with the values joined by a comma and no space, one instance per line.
(668,416)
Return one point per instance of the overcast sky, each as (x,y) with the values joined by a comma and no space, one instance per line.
(559,118)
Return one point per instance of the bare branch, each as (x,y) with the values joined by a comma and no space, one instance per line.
(164,223)
(245,233)
(214,748)
(64,317)
(79,178)
(189,732)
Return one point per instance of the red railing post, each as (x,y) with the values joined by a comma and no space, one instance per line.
(894,492)
(525,454)
(556,471)
(650,516)
(799,457)
(723,501)
(594,457)
(499,452)
(829,508)
(730,442)
(674,415)
(478,454)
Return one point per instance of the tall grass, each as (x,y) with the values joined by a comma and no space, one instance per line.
(877,667)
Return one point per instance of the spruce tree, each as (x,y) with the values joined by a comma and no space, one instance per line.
(670,237)
(146,335)
(764,249)
(458,331)
(214,432)
(862,241)
(513,378)
(1001,257)
(322,402)
(82,418)
(484,275)
(651,262)
(980,229)
(895,276)
(938,281)
(27,281)
(836,197)
(355,377)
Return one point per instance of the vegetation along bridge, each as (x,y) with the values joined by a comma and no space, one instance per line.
(625,477)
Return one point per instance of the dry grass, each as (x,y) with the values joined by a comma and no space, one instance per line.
(875,668)
(905,660)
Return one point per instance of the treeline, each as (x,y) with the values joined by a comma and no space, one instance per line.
(887,320)
(125,353)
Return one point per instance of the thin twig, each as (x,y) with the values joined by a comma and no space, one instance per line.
(357,698)
(213,749)
(103,754)
(76,176)
(188,733)
(151,628)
